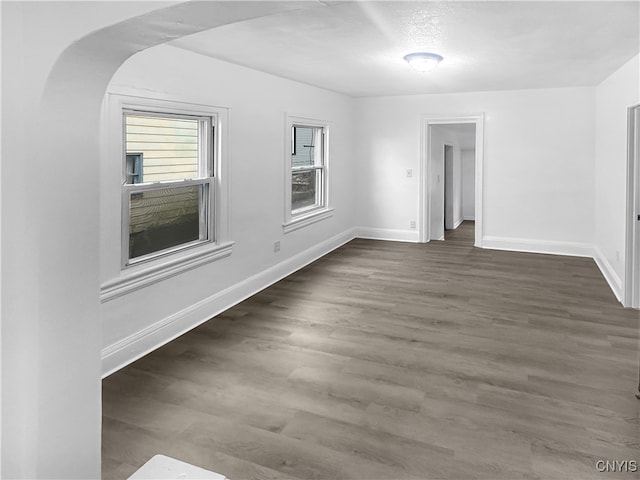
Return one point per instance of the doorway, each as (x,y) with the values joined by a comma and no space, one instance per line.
(449,190)
(631,294)
(456,229)
(441,195)
(632,254)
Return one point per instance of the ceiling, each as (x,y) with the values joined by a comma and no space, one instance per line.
(356,48)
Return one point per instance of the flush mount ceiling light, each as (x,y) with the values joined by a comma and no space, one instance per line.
(423,61)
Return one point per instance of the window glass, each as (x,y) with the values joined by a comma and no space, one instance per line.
(304,146)
(168,147)
(303,189)
(164,218)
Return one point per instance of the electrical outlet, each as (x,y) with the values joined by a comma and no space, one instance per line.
(276,247)
(409,173)
(412,224)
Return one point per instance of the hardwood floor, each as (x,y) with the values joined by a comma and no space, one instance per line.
(388,360)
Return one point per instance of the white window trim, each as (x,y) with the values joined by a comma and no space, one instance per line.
(316,214)
(141,274)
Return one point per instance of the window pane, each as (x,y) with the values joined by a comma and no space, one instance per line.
(304,189)
(134,168)
(304,146)
(165,218)
(168,147)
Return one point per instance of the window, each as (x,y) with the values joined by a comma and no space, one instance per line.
(168,183)
(164,197)
(306,199)
(307,168)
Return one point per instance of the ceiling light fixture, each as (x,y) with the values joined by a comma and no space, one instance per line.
(423,61)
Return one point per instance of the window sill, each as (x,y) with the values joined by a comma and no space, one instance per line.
(307,219)
(135,279)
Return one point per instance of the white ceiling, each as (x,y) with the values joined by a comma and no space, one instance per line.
(357,47)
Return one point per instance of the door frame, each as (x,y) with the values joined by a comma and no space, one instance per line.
(631,287)
(426,121)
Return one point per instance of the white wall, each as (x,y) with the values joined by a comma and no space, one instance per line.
(613,96)
(468,184)
(140,320)
(457,187)
(449,188)
(538,164)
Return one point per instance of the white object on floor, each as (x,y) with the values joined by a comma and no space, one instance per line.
(161,467)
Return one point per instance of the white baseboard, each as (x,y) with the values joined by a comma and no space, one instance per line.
(457,224)
(469,217)
(573,249)
(388,234)
(135,346)
(560,248)
(609,274)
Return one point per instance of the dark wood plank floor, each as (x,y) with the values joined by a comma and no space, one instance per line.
(389,360)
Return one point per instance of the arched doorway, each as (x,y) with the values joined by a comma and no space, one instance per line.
(57,62)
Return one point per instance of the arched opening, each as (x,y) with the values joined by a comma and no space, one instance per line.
(51,327)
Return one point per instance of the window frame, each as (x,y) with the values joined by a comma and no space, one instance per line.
(207,144)
(116,279)
(295,219)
